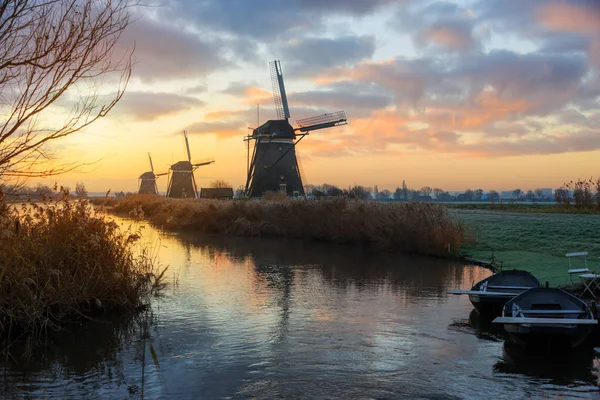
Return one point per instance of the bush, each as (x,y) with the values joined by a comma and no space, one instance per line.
(62,260)
(408,227)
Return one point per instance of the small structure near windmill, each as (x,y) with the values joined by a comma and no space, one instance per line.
(274,165)
(147,180)
(182,183)
(216,193)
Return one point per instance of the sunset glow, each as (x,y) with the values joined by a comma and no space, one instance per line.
(457,94)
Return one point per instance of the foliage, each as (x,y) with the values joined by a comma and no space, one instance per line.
(586,194)
(80,190)
(408,227)
(220,184)
(359,192)
(274,196)
(62,260)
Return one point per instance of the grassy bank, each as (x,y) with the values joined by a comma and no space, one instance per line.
(531,241)
(540,208)
(412,227)
(62,261)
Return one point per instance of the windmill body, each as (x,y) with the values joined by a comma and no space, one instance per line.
(147,180)
(182,183)
(274,163)
(147,183)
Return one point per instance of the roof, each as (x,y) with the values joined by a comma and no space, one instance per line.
(216,193)
(280,128)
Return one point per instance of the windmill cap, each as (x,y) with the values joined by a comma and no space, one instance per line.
(182,166)
(277,127)
(148,175)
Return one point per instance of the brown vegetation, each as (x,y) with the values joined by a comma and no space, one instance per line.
(408,227)
(586,194)
(63,260)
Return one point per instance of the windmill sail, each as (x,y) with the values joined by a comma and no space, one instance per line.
(187,146)
(279,96)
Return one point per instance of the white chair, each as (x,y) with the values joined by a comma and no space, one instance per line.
(580,270)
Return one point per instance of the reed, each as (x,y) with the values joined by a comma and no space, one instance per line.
(408,227)
(60,261)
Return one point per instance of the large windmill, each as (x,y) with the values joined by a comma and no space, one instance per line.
(147,180)
(273,165)
(182,182)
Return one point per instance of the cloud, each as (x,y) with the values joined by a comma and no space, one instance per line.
(224,123)
(196,89)
(164,51)
(306,56)
(356,98)
(268,20)
(442,25)
(149,105)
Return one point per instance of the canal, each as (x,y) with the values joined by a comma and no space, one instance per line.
(267,318)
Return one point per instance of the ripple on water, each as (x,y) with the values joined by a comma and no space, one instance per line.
(274,319)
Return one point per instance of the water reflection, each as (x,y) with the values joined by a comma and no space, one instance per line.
(281,319)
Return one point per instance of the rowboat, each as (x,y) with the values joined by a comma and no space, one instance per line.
(547,318)
(489,295)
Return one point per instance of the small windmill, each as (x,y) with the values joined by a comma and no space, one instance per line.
(182,182)
(274,165)
(147,180)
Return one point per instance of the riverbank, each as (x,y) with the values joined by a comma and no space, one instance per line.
(534,242)
(523,207)
(419,228)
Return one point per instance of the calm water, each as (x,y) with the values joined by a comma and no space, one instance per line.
(250,318)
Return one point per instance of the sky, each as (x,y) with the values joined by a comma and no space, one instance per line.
(491,94)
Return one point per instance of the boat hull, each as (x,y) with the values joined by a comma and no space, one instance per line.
(545,337)
(553,320)
(488,305)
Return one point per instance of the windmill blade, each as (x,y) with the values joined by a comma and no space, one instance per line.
(187,146)
(164,173)
(279,96)
(321,121)
(151,165)
(203,163)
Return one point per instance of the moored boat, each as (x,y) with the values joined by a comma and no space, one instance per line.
(547,318)
(489,295)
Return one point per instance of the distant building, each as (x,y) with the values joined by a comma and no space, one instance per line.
(507,195)
(216,193)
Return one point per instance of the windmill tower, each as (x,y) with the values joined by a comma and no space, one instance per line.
(147,180)
(273,165)
(182,182)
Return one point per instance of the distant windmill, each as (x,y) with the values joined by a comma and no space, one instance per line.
(147,180)
(182,182)
(273,165)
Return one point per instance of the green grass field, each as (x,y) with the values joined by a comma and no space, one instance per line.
(534,242)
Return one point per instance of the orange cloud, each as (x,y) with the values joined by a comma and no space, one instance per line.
(582,18)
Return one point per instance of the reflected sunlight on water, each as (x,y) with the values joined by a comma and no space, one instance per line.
(262,318)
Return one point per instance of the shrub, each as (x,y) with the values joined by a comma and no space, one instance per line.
(62,260)
(423,228)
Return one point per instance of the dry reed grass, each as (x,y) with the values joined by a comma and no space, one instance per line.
(63,260)
(422,228)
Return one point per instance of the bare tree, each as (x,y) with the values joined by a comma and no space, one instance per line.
(219,183)
(80,190)
(53,56)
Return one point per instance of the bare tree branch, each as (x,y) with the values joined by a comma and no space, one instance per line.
(52,53)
